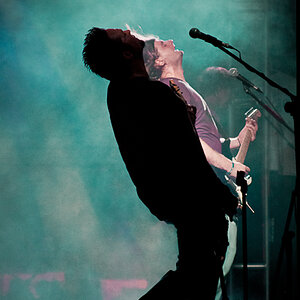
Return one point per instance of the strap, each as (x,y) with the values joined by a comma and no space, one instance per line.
(191,110)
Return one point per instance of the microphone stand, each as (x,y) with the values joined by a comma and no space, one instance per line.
(267,108)
(242,183)
(291,107)
(288,235)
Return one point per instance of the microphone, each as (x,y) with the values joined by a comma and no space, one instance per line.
(235,73)
(197,34)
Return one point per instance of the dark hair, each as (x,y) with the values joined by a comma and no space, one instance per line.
(150,55)
(101,55)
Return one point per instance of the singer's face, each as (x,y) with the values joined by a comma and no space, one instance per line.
(167,52)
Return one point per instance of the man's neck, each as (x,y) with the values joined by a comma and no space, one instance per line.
(173,71)
(137,69)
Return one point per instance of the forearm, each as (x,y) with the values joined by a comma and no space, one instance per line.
(234,142)
(215,158)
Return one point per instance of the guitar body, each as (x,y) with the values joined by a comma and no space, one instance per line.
(230,181)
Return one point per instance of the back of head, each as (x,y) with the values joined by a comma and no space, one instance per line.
(101,55)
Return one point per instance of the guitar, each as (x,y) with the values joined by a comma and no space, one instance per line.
(241,155)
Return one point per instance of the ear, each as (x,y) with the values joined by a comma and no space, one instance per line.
(127,54)
(159,62)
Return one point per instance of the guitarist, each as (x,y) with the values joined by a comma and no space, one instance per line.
(163,62)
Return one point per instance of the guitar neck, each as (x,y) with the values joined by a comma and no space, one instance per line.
(244,148)
(255,114)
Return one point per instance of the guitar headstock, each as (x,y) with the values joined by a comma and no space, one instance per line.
(253,113)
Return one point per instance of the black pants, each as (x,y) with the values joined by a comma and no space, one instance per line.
(201,243)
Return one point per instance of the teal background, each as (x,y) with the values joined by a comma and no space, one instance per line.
(67,205)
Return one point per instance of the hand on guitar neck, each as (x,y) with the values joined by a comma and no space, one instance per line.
(247,135)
